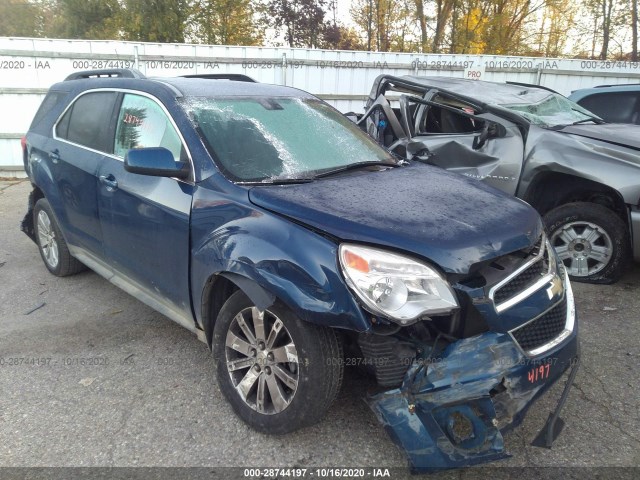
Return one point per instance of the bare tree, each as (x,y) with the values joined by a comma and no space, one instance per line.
(443,14)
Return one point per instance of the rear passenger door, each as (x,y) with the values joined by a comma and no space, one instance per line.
(81,138)
(145,219)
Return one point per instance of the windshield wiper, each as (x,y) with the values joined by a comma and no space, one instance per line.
(277,181)
(590,118)
(294,180)
(355,166)
(597,121)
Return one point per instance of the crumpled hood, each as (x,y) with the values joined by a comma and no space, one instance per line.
(442,216)
(617,133)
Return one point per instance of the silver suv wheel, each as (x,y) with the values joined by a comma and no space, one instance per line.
(584,247)
(47,240)
(278,372)
(262,360)
(591,240)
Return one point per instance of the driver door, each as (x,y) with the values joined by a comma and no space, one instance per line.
(449,133)
(145,219)
(455,136)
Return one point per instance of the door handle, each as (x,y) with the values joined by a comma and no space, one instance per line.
(54,156)
(109,181)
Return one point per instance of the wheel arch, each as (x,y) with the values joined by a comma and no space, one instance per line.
(327,308)
(549,190)
(217,290)
(27,225)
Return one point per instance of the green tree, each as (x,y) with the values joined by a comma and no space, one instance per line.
(339,37)
(225,22)
(20,18)
(387,25)
(494,26)
(85,19)
(363,14)
(469,27)
(301,21)
(154,20)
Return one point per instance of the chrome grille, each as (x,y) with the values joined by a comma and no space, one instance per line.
(543,329)
(504,293)
(520,282)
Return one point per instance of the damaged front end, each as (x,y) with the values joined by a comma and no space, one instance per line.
(459,394)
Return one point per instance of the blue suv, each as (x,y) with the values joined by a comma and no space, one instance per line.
(265,222)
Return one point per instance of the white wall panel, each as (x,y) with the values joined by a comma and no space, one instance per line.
(31,65)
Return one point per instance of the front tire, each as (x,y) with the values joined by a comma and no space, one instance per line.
(53,248)
(278,373)
(591,240)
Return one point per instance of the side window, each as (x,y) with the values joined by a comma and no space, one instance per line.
(617,107)
(142,123)
(435,120)
(50,101)
(86,122)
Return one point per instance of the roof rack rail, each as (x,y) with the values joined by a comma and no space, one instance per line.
(532,85)
(618,85)
(237,77)
(113,73)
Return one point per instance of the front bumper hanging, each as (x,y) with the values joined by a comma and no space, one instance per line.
(452,411)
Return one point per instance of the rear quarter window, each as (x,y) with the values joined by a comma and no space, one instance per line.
(87,121)
(53,101)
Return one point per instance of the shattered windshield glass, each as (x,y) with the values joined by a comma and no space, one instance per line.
(551,111)
(257,139)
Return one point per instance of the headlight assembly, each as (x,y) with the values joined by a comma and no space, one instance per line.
(395,286)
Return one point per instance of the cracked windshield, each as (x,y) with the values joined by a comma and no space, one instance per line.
(554,110)
(272,139)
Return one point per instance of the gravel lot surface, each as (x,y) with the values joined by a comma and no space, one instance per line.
(127,387)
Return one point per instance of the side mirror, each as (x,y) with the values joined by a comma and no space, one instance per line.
(154,161)
(489,130)
(419,151)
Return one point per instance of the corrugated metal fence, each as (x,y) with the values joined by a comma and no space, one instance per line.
(343,78)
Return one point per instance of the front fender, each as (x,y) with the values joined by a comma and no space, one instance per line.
(611,165)
(287,260)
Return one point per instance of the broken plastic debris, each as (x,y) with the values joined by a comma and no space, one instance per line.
(85,382)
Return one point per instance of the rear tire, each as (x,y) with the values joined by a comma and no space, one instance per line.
(278,373)
(52,245)
(592,241)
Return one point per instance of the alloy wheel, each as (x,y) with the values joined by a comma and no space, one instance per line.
(584,247)
(262,360)
(47,240)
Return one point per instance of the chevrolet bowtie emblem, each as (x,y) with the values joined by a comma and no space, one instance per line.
(555,288)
